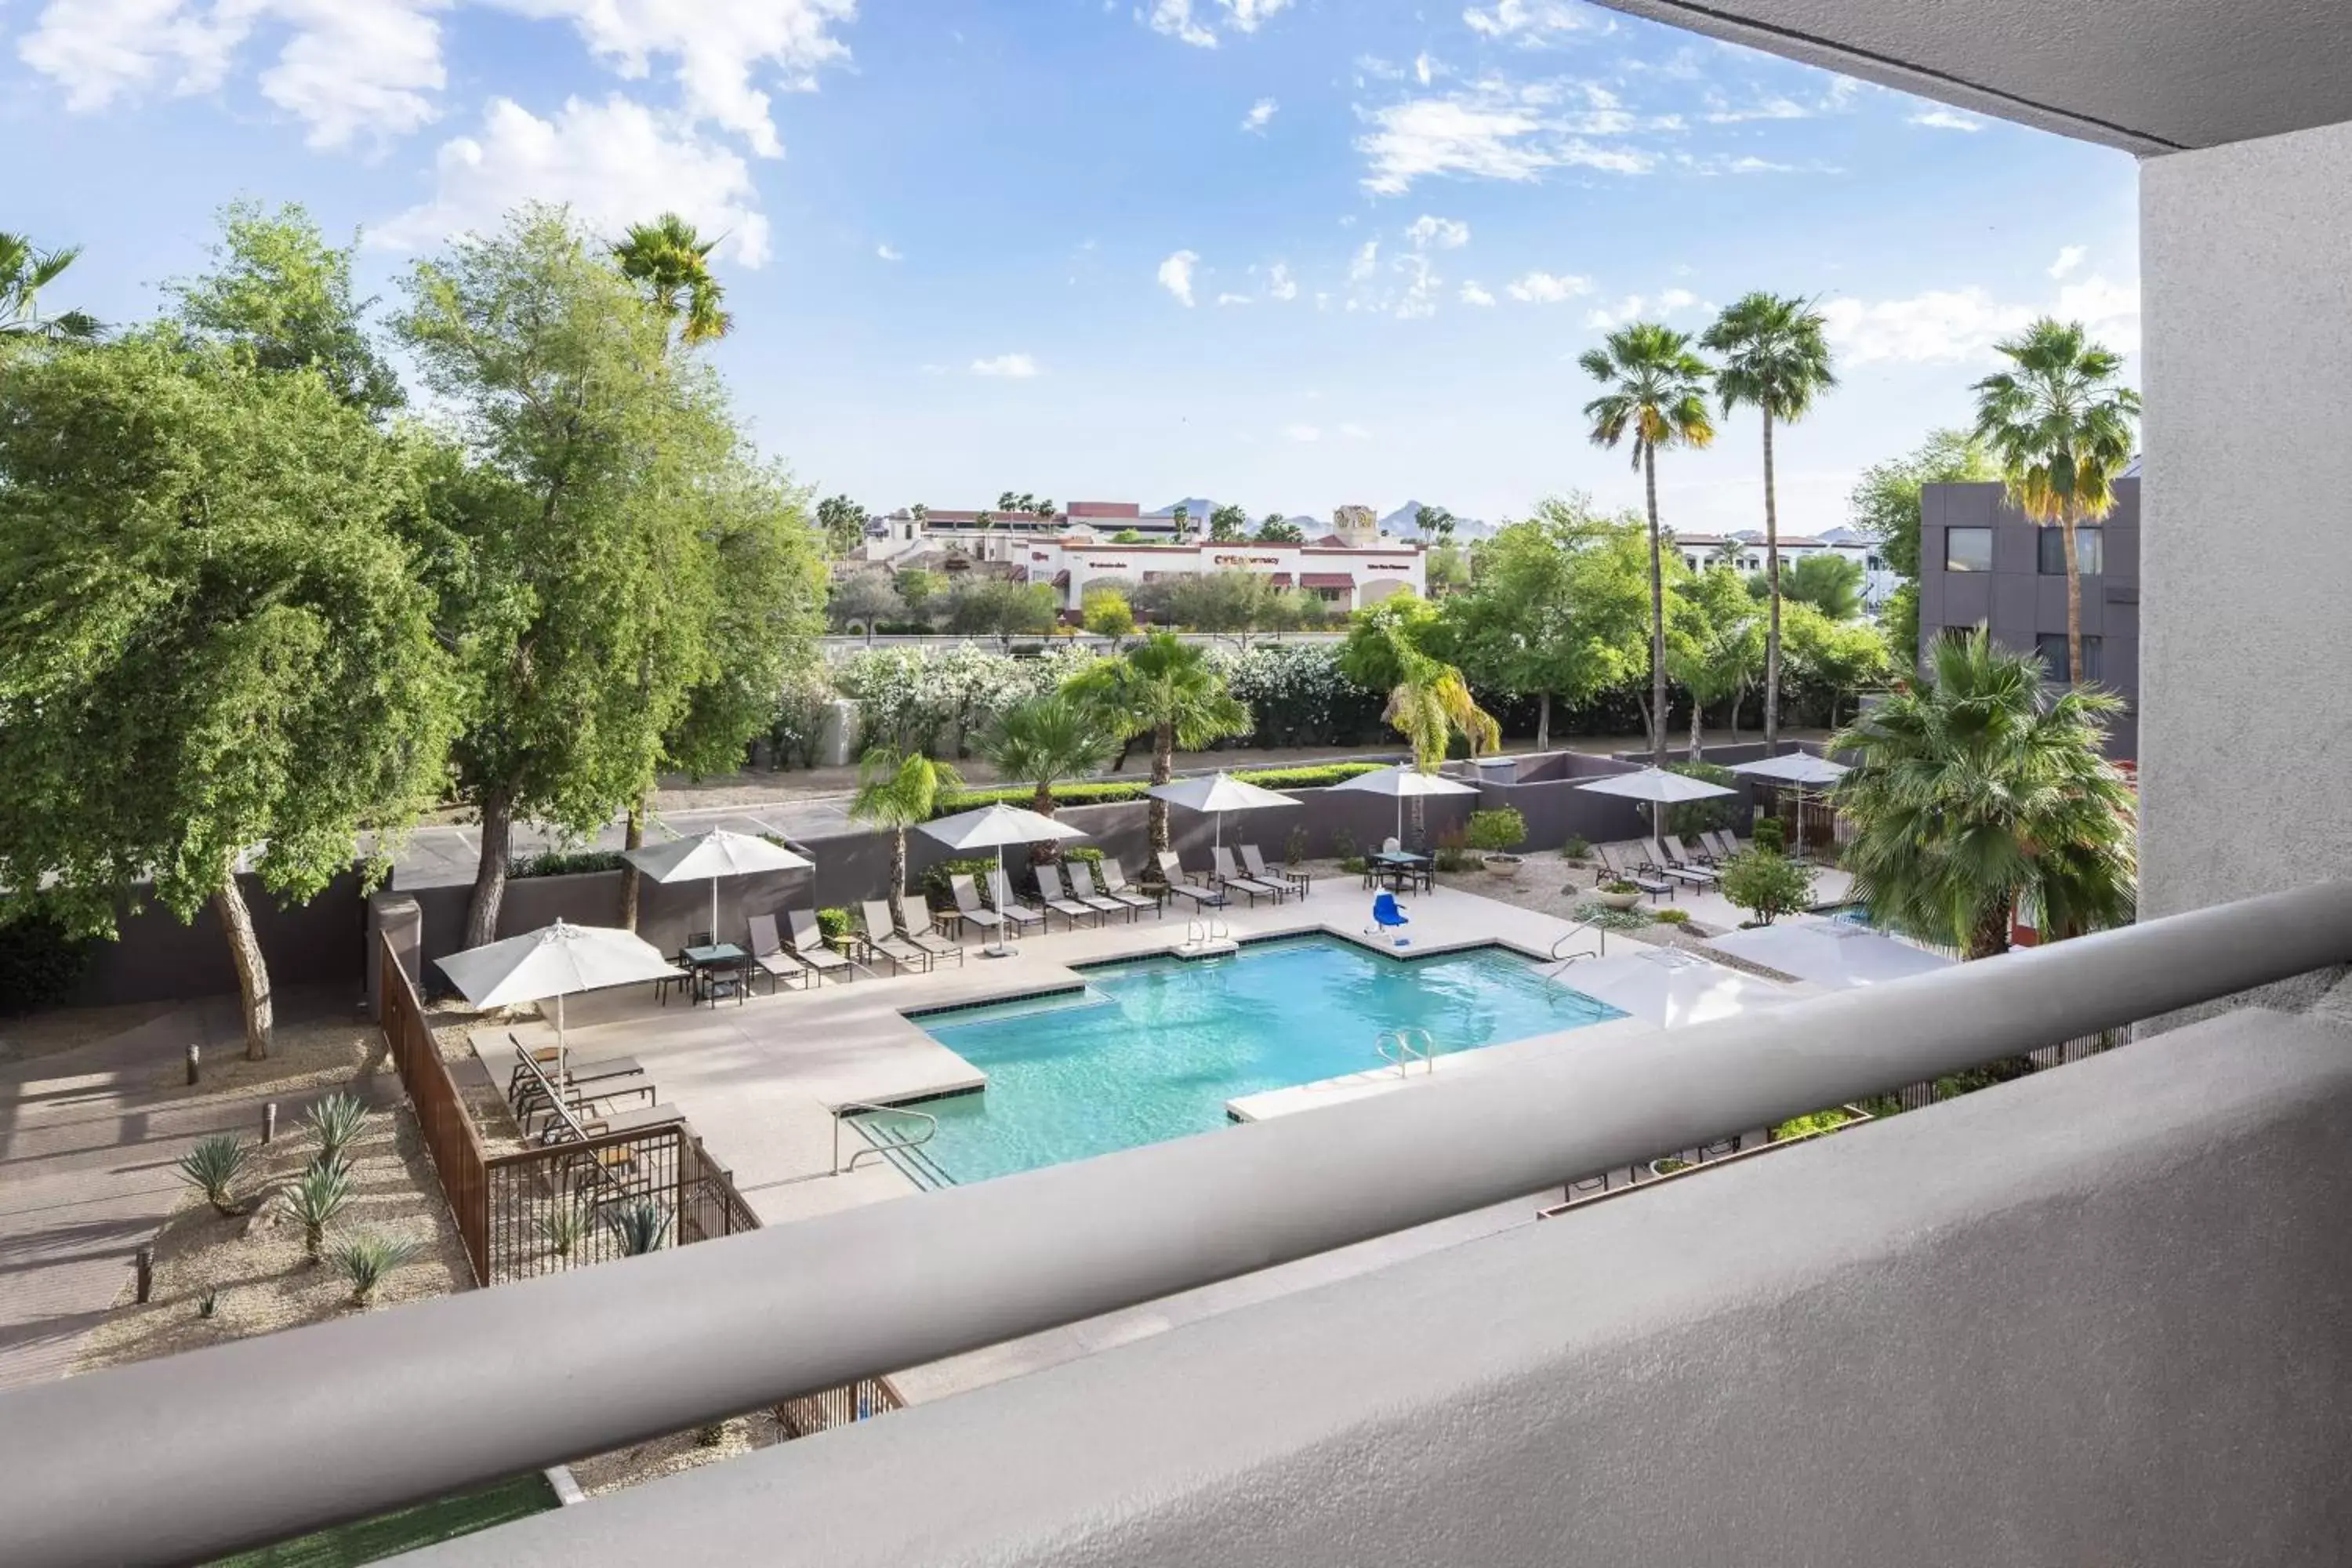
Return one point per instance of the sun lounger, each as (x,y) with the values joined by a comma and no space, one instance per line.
(1703,857)
(1229,878)
(1117,892)
(1621,870)
(977,915)
(1058,900)
(807,944)
(1254,863)
(1018,915)
(536,1093)
(917,928)
(1667,866)
(773,959)
(1726,843)
(882,938)
(1172,869)
(577,1069)
(1081,878)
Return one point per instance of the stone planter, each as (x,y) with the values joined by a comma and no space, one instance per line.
(1616,900)
(1504,865)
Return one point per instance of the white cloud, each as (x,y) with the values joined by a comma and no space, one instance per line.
(1425,68)
(1175,19)
(1528,23)
(1474,295)
(1176,275)
(1959,326)
(612,161)
(2069,257)
(1548,288)
(1419,298)
(1234,300)
(1721,111)
(1674,299)
(1017,367)
(1494,131)
(1355,433)
(1441,233)
(1260,113)
(889,252)
(1304,433)
(1279,283)
(1947,119)
(1367,260)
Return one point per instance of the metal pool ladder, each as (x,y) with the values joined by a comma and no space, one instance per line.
(1200,933)
(882,1141)
(1396,1048)
(1563,961)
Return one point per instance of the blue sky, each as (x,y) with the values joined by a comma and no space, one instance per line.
(1290,253)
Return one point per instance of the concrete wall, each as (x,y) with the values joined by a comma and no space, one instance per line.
(158,958)
(2247,623)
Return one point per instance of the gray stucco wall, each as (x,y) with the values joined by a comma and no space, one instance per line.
(158,958)
(2247,623)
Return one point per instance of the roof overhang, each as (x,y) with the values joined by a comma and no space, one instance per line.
(2147,76)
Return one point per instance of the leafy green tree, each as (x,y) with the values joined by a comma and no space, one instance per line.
(1556,608)
(1885,505)
(1776,360)
(25,271)
(896,790)
(279,292)
(843,522)
(1047,740)
(1231,602)
(1126,536)
(1830,582)
(1368,656)
(1447,569)
(671,262)
(2059,422)
(1108,612)
(1429,705)
(1715,646)
(214,644)
(1840,656)
(1229,524)
(1279,530)
(863,599)
(924,592)
(1975,791)
(994,606)
(1165,688)
(1767,884)
(1654,394)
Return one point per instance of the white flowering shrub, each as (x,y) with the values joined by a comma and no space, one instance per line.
(939,700)
(1298,696)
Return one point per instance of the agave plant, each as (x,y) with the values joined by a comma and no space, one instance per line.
(337,1122)
(642,1226)
(212,1167)
(367,1257)
(208,1301)
(564,1229)
(314,1200)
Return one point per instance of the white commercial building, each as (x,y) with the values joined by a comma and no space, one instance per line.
(1743,550)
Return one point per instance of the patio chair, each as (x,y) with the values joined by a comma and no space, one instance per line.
(882,938)
(1387,917)
(1685,855)
(1621,870)
(1229,878)
(918,929)
(773,959)
(1665,865)
(540,1095)
(1081,878)
(1058,900)
(1017,915)
(1255,865)
(731,978)
(1114,887)
(977,915)
(1173,870)
(1719,843)
(808,944)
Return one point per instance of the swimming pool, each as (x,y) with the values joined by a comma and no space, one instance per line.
(1152,1048)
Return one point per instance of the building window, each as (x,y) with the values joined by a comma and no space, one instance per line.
(2090,551)
(1691,561)
(1968,550)
(1871,563)
(2051,647)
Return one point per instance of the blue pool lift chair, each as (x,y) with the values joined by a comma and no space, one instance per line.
(1388,917)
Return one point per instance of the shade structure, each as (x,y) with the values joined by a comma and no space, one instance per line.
(993,828)
(1667,988)
(1660,788)
(1219,792)
(1403,782)
(1832,953)
(553,962)
(715,854)
(1795,768)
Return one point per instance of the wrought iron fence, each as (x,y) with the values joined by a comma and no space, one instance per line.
(861,1401)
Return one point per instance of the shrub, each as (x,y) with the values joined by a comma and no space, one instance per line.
(337,1121)
(1353,865)
(1453,854)
(1816,1121)
(1767,884)
(1576,849)
(1770,835)
(640,1227)
(1499,830)
(367,1257)
(935,889)
(834,924)
(1717,811)
(798,730)
(314,1200)
(1619,887)
(1671,917)
(41,960)
(567,863)
(1294,848)
(1112,794)
(1344,848)
(212,1167)
(1602,918)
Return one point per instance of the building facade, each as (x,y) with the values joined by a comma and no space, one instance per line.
(1744,552)
(1983,563)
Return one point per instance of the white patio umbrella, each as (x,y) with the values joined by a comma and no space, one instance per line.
(993,828)
(553,962)
(1800,768)
(1219,792)
(1403,780)
(1660,788)
(1667,988)
(1831,953)
(715,854)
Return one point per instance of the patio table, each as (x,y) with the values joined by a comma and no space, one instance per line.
(720,955)
(1402,866)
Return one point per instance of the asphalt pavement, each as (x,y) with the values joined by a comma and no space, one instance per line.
(436,857)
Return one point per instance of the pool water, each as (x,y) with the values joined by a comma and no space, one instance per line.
(1154,1049)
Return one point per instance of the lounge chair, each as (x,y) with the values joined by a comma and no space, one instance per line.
(1682,871)
(977,915)
(917,928)
(808,944)
(1173,870)
(1703,857)
(1229,878)
(1081,878)
(1621,870)
(539,1094)
(1725,842)
(882,938)
(1058,900)
(1115,887)
(1255,865)
(773,959)
(1017,915)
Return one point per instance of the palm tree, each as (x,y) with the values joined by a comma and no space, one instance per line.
(898,790)
(1656,393)
(1976,792)
(1166,689)
(24,273)
(1045,740)
(1429,705)
(672,261)
(2060,428)
(1775,360)
(1181,517)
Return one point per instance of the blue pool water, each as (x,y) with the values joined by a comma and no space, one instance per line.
(1152,1050)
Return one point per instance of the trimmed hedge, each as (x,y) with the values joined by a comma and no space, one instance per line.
(41,960)
(1321,777)
(566,863)
(980,868)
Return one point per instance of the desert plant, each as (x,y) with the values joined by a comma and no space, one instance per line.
(367,1257)
(642,1226)
(564,1229)
(337,1123)
(212,1167)
(1497,831)
(207,1301)
(1671,917)
(1620,886)
(1767,885)
(1453,852)
(314,1200)
(1294,848)
(1602,918)
(1576,849)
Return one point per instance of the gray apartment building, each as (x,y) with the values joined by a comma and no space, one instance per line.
(1984,562)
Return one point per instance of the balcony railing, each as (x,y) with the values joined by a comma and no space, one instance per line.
(129,1466)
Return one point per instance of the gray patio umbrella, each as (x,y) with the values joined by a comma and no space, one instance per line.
(1403,780)
(715,854)
(1660,788)
(1219,792)
(1802,770)
(993,828)
(553,962)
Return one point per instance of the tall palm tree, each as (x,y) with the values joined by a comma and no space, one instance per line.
(24,273)
(1656,393)
(898,790)
(1429,705)
(2060,424)
(1168,689)
(671,260)
(1045,740)
(1776,360)
(1976,791)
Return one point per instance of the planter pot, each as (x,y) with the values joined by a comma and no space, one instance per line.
(1502,865)
(1617,900)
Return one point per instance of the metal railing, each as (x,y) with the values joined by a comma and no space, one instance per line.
(879,1143)
(421,1401)
(1395,1047)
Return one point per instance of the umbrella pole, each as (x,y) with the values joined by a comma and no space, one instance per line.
(714,911)
(559,1043)
(1000,950)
